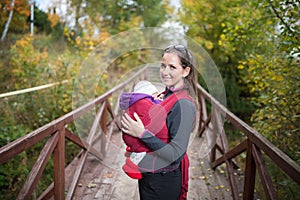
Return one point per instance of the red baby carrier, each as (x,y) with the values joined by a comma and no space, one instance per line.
(156,121)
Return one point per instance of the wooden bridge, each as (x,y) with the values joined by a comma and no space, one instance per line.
(95,173)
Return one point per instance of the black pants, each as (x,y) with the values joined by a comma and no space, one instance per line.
(160,186)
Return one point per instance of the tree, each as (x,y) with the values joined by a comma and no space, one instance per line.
(120,15)
(256,43)
(11,8)
(225,29)
(41,21)
(14,16)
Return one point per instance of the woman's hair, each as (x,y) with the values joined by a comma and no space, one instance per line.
(187,60)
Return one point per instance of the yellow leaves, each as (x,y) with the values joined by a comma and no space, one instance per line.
(26,62)
(53,19)
(78,40)
(23,42)
(208,45)
(103,36)
(189,4)
(220,43)
(278,78)
(223,37)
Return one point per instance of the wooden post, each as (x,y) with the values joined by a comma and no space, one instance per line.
(264,174)
(249,174)
(59,166)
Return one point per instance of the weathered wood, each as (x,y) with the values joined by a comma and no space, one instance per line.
(114,117)
(231,177)
(103,118)
(230,154)
(290,167)
(250,172)
(77,173)
(221,150)
(217,120)
(205,124)
(264,174)
(59,166)
(82,144)
(203,112)
(19,145)
(85,153)
(48,193)
(95,126)
(38,167)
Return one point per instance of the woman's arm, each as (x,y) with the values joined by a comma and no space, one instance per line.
(180,123)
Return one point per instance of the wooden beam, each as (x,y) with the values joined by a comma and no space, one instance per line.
(250,171)
(38,167)
(21,144)
(59,166)
(264,174)
(289,166)
(82,144)
(204,125)
(230,154)
(71,189)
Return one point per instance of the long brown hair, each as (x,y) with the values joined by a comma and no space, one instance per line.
(187,60)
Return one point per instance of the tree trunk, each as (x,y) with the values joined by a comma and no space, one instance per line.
(12,4)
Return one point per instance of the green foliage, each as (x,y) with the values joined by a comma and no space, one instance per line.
(275,81)
(29,67)
(27,64)
(12,175)
(226,38)
(121,15)
(256,46)
(55,54)
(41,21)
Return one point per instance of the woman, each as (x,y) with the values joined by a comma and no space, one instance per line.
(162,168)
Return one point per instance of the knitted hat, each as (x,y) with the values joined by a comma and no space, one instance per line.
(145,87)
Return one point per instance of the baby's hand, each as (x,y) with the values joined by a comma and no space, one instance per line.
(137,157)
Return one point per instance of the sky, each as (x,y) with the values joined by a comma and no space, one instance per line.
(43,4)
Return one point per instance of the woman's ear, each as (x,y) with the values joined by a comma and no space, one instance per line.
(186,72)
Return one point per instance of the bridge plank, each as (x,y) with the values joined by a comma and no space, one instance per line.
(106,180)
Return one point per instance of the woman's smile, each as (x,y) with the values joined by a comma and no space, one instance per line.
(171,72)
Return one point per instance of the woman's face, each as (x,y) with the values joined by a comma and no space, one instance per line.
(171,72)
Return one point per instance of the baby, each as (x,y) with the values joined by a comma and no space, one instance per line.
(144,96)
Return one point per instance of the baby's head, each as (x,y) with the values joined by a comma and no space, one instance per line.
(145,87)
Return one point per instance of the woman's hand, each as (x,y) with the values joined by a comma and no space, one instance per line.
(132,127)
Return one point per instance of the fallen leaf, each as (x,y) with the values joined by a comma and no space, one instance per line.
(91,185)
(108,175)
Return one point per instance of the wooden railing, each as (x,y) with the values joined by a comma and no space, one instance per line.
(56,132)
(254,145)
